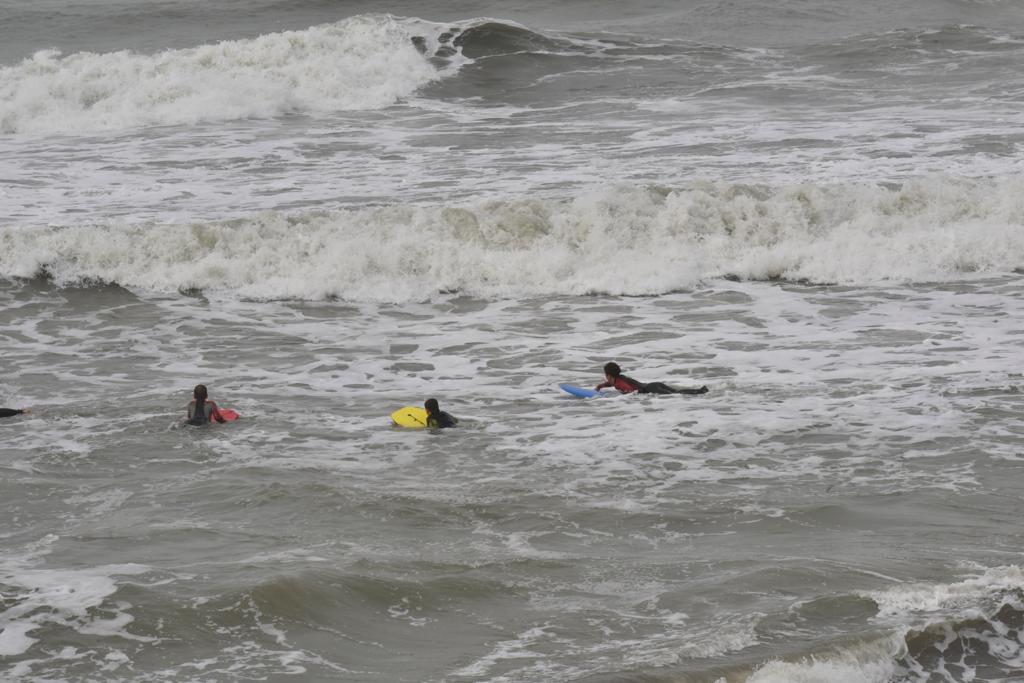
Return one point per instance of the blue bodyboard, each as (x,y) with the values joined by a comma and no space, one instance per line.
(579,391)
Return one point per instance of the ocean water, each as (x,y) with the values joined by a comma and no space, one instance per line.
(327,210)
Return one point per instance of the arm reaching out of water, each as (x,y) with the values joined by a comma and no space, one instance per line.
(11,412)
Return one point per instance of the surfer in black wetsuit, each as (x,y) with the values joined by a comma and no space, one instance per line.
(11,412)
(437,418)
(200,410)
(614,378)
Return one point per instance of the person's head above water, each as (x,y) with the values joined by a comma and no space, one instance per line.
(612,370)
(199,393)
(431,406)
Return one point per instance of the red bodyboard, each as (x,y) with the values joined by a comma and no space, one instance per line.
(228,414)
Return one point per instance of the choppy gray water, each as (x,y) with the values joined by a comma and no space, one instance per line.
(326,212)
(843,502)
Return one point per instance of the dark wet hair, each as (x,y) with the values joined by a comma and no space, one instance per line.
(612,369)
(431,406)
(197,413)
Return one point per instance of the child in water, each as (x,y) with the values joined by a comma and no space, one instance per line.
(200,410)
(614,378)
(437,418)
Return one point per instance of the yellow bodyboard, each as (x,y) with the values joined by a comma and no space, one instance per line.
(411,417)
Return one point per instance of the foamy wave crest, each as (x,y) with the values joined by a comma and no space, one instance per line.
(633,241)
(363,62)
(971,597)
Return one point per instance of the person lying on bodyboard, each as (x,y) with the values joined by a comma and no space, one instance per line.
(615,379)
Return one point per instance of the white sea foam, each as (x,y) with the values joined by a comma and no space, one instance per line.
(621,240)
(364,62)
(969,596)
(63,597)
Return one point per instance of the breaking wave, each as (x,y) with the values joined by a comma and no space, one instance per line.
(364,62)
(619,241)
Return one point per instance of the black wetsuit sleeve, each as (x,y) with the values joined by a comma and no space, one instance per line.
(10,412)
